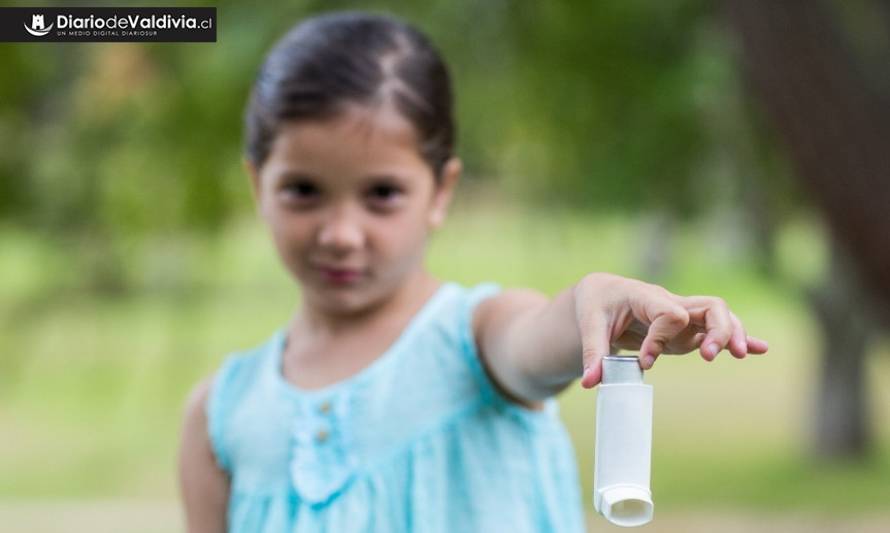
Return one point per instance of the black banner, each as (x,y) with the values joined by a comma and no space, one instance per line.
(108,24)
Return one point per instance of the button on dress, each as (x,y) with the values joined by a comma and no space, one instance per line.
(419,440)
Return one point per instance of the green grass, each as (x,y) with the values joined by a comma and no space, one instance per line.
(91,388)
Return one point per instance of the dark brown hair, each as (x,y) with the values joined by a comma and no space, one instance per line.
(351,57)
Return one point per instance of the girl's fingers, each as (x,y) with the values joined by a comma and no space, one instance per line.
(594,328)
(713,314)
(669,321)
(757,346)
(697,340)
(738,343)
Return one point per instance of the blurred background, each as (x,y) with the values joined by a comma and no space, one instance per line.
(737,148)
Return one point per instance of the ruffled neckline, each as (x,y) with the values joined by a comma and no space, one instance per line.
(279,342)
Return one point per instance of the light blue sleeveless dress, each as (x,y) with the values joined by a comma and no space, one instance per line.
(419,440)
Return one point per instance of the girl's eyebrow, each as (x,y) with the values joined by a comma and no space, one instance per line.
(291,175)
(387,177)
(299,175)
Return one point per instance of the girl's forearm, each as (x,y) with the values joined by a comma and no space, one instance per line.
(541,349)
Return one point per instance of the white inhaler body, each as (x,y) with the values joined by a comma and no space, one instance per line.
(623,444)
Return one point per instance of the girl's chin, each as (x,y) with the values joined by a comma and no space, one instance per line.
(341,299)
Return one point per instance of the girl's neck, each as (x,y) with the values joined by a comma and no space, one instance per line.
(313,322)
(321,350)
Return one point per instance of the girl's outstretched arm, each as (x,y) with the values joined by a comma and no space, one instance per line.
(204,486)
(533,346)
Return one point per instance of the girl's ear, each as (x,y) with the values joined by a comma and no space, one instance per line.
(444,191)
(254,174)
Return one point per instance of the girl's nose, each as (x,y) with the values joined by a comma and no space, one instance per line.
(341,232)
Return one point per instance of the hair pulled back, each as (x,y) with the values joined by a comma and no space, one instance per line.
(331,60)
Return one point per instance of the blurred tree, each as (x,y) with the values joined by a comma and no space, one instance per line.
(830,102)
(109,144)
(604,116)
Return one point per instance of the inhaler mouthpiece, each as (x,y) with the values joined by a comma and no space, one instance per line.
(623,444)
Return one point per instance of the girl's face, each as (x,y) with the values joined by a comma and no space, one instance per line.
(350,203)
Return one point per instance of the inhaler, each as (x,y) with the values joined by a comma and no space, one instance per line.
(623,443)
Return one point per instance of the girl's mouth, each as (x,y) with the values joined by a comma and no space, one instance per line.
(339,276)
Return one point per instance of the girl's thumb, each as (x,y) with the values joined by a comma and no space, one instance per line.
(595,344)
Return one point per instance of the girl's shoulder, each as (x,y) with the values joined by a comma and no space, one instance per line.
(239,374)
(444,330)
(455,304)
(240,369)
(460,302)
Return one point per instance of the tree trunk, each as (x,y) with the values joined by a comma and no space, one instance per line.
(842,423)
(835,124)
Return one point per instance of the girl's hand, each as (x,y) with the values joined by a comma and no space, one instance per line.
(624,313)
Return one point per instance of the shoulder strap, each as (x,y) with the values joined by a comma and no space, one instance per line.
(469,351)
(231,382)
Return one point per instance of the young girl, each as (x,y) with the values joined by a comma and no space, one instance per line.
(393,401)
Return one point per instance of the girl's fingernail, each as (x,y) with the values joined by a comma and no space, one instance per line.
(714,349)
(584,379)
(648,361)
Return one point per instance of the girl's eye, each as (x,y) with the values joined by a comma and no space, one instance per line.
(384,194)
(301,190)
